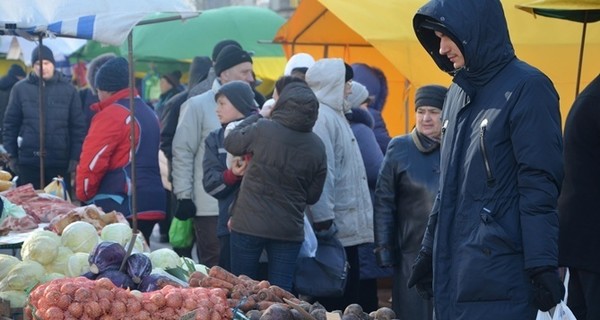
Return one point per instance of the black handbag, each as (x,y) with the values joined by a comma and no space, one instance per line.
(324,275)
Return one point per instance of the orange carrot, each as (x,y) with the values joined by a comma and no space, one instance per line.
(220,273)
(278,291)
(210,282)
(267,295)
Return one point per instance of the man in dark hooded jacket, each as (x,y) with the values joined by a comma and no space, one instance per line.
(491,241)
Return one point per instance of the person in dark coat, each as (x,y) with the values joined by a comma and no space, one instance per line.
(287,172)
(15,73)
(491,243)
(578,203)
(170,85)
(64,124)
(406,188)
(362,124)
(376,83)
(220,180)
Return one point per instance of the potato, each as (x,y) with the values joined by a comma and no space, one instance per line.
(385,313)
(5,185)
(5,175)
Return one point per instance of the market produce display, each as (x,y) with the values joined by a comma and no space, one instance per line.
(82,298)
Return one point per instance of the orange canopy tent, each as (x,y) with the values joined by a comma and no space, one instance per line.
(380,33)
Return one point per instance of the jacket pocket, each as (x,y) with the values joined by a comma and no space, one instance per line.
(487,263)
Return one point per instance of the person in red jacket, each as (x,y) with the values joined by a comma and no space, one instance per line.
(104,171)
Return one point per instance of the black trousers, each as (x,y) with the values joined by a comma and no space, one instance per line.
(31,174)
(584,294)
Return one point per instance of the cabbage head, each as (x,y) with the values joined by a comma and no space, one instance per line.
(80,236)
(117,232)
(6,263)
(40,247)
(17,299)
(78,264)
(59,264)
(22,276)
(165,258)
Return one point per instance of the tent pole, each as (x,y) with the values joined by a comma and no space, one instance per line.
(581,53)
(133,185)
(41,115)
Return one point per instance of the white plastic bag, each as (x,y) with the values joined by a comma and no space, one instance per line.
(561,311)
(309,246)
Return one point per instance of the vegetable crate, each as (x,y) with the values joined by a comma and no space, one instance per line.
(8,313)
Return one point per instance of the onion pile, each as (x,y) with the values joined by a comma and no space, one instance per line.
(81,298)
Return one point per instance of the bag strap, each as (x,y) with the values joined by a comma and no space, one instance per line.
(566,284)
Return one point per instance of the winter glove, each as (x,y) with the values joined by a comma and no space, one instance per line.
(72,166)
(186,209)
(422,275)
(548,288)
(12,165)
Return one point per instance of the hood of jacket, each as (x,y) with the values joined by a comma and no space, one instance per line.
(199,70)
(297,107)
(359,115)
(326,79)
(7,82)
(375,81)
(478,27)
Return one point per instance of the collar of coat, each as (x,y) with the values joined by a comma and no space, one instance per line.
(121,94)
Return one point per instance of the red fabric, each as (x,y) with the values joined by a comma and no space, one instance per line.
(229,178)
(106,146)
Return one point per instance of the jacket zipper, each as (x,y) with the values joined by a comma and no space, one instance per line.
(491,181)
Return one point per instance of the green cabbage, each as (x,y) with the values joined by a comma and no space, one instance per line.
(22,276)
(40,247)
(117,232)
(17,299)
(78,264)
(165,258)
(6,263)
(59,264)
(80,236)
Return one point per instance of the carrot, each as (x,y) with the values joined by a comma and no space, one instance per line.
(220,273)
(211,282)
(261,285)
(240,291)
(243,304)
(268,295)
(278,291)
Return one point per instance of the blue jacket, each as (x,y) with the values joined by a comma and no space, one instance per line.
(214,181)
(501,168)
(65,125)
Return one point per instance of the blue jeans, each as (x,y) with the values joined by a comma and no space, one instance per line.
(282,255)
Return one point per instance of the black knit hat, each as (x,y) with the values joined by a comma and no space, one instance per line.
(221,45)
(46,54)
(173,78)
(113,75)
(430,96)
(349,72)
(229,57)
(241,96)
(15,71)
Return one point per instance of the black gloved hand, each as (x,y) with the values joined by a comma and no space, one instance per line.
(186,209)
(422,275)
(548,288)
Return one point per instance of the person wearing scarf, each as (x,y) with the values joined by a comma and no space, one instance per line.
(404,195)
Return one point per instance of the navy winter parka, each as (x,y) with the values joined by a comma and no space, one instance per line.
(65,125)
(501,168)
